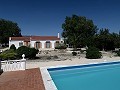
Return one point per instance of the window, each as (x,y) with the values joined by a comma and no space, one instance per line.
(20,44)
(48,44)
(27,43)
(37,45)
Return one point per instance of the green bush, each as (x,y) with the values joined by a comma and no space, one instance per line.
(74,53)
(118,53)
(29,52)
(13,47)
(93,53)
(23,50)
(32,53)
(61,46)
(8,55)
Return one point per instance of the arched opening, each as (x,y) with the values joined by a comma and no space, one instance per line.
(37,45)
(48,45)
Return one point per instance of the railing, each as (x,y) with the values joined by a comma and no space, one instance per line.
(14,65)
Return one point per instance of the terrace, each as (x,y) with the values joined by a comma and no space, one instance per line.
(15,76)
(29,79)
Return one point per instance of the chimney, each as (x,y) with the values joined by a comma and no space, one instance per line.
(58,35)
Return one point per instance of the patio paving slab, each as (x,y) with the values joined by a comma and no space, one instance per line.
(29,79)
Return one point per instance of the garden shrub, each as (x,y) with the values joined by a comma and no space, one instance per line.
(23,50)
(61,46)
(74,53)
(13,47)
(118,53)
(29,52)
(33,52)
(8,55)
(93,53)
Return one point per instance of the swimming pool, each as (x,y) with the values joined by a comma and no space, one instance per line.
(103,76)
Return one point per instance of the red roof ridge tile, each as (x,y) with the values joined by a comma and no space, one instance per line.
(28,38)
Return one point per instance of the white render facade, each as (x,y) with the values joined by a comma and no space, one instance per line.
(38,42)
(16,43)
(43,44)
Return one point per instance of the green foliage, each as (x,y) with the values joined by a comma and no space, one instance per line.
(74,53)
(106,41)
(93,53)
(61,46)
(8,55)
(29,52)
(116,40)
(118,53)
(11,54)
(13,47)
(32,52)
(23,50)
(8,29)
(78,30)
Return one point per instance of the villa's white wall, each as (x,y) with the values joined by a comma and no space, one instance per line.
(53,44)
(16,43)
(43,44)
(32,43)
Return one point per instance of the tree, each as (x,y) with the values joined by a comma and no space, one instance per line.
(116,39)
(102,38)
(77,30)
(105,40)
(8,29)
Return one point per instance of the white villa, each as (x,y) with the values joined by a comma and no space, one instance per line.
(38,42)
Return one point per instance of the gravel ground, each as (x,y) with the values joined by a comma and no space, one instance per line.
(47,56)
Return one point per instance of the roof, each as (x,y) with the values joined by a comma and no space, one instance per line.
(34,38)
(45,38)
(20,38)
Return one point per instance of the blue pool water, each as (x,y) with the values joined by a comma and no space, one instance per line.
(87,77)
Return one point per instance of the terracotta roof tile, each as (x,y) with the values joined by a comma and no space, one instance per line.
(27,38)
(20,38)
(45,38)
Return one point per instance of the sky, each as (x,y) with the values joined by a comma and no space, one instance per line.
(45,17)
